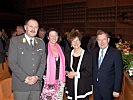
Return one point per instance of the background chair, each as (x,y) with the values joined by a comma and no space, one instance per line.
(6,89)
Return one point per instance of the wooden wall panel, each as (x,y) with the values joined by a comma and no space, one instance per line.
(40,3)
(53,2)
(33,3)
(73,1)
(127,34)
(124,2)
(125,29)
(87,15)
(90,3)
(100,3)
(108,3)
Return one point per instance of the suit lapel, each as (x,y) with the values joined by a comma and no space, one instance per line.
(106,56)
(35,44)
(97,54)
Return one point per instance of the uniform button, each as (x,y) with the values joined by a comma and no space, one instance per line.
(33,53)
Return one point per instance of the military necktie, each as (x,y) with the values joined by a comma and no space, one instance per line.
(31,44)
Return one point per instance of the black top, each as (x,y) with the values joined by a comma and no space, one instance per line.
(57,63)
(57,67)
(75,63)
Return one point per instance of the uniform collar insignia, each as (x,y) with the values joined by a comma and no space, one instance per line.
(24,40)
(36,41)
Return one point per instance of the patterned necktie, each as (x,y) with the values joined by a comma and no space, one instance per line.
(100,59)
(31,43)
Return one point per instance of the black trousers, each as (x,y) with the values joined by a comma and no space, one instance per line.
(100,96)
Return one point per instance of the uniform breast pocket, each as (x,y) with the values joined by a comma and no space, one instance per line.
(21,52)
(39,53)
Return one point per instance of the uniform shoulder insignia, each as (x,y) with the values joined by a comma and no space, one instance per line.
(38,38)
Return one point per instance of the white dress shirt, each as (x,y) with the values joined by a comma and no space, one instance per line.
(28,39)
(104,52)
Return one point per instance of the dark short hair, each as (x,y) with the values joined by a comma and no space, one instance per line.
(29,20)
(42,30)
(20,26)
(52,29)
(100,32)
(73,34)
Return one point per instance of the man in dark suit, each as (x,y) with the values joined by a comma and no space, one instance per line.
(27,62)
(107,69)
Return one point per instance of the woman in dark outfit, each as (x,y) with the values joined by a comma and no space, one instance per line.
(79,69)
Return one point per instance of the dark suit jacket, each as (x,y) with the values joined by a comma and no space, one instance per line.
(110,72)
(26,61)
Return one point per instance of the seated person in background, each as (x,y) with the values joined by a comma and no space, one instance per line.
(2,52)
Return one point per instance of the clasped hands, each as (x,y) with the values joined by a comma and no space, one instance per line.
(116,94)
(30,80)
(71,74)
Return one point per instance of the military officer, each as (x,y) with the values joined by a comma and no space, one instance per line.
(27,62)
